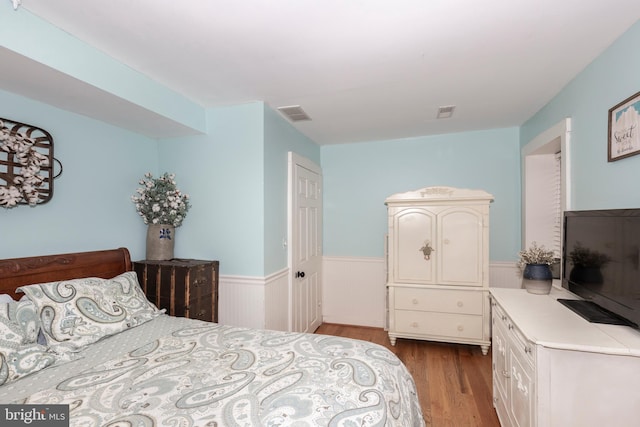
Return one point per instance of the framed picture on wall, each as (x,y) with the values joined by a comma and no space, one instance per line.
(624,128)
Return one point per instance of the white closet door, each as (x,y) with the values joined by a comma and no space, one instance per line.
(306,245)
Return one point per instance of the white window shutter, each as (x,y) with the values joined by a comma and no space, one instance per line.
(557,192)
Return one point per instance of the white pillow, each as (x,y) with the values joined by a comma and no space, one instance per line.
(25,313)
(18,357)
(4,298)
(75,313)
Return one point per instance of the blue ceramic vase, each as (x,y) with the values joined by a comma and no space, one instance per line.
(537,278)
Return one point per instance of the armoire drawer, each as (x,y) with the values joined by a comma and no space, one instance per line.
(441,324)
(439,300)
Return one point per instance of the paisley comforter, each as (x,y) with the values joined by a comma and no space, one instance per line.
(183,372)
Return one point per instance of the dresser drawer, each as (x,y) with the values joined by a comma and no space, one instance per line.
(523,345)
(519,341)
(439,300)
(441,324)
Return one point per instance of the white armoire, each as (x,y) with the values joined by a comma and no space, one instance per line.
(438,266)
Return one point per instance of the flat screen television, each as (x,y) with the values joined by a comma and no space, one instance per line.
(601,264)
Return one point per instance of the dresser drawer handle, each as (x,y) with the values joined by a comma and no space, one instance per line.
(460,304)
(414,324)
(415,301)
(460,328)
(198,282)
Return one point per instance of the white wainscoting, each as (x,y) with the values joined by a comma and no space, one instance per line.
(353,293)
(505,275)
(276,301)
(241,301)
(508,275)
(255,302)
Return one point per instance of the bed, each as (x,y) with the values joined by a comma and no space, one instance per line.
(93,342)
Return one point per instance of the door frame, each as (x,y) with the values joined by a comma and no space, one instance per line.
(293,160)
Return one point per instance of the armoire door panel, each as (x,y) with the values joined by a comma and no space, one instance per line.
(460,260)
(415,233)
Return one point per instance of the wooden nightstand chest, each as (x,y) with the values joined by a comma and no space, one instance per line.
(184,287)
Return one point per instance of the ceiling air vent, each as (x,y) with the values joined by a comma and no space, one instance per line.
(445,112)
(295,113)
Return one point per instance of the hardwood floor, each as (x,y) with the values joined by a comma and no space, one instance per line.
(453,380)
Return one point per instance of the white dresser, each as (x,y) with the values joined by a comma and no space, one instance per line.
(552,368)
(438,265)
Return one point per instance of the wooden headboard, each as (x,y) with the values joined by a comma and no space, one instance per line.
(16,272)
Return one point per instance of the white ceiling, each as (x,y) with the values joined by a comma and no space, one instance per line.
(362,69)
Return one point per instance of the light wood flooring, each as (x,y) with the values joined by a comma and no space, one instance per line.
(453,380)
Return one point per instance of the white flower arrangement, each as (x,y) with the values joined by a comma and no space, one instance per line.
(535,255)
(159,201)
(27,182)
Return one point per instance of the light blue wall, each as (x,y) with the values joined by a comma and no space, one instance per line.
(611,78)
(359,177)
(223,173)
(236,176)
(57,49)
(91,208)
(236,173)
(279,138)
